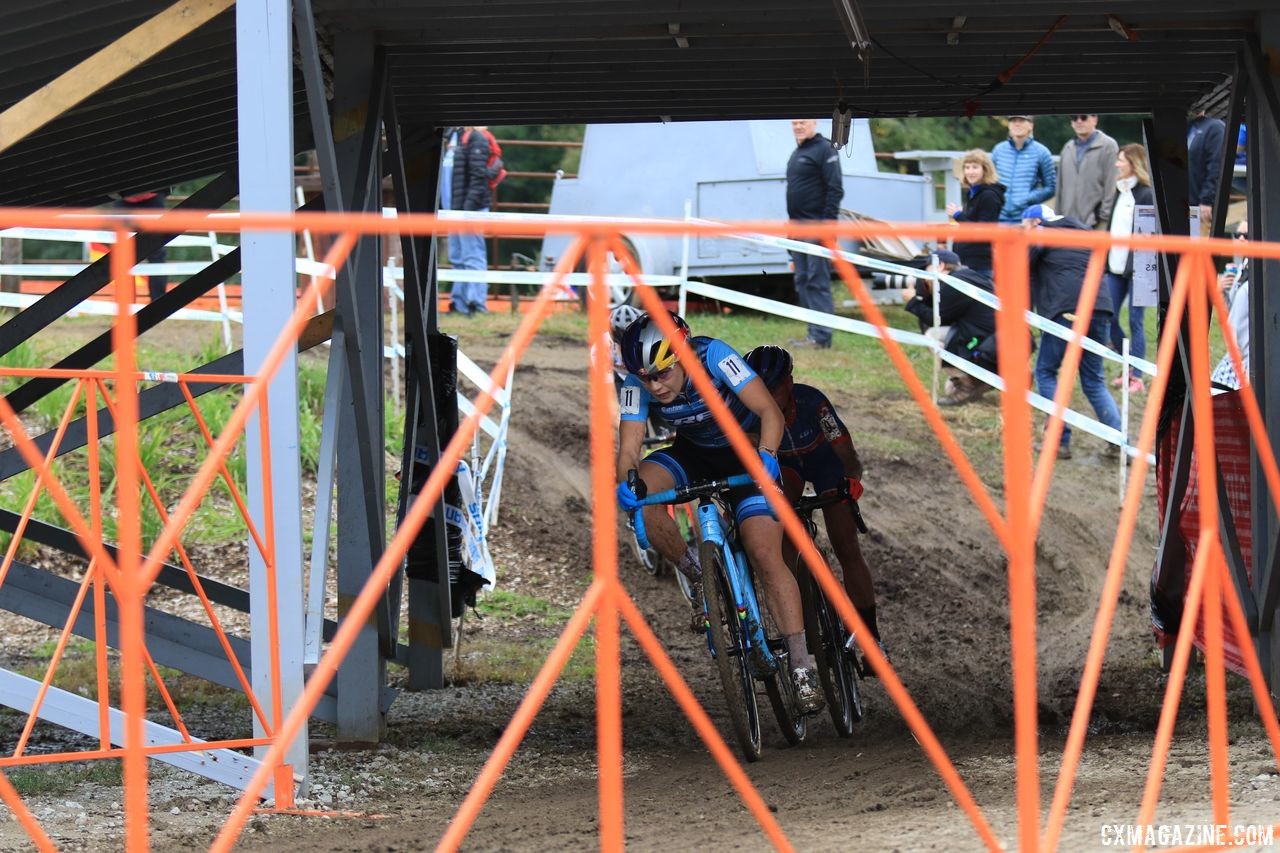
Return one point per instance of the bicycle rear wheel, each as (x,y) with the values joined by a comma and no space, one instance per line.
(730,649)
(826,637)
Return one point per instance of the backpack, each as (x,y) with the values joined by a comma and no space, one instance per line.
(495,167)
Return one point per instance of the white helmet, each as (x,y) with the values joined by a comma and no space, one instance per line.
(621,317)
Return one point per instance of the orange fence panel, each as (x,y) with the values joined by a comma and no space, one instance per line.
(129,576)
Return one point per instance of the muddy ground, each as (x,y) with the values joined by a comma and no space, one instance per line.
(943,591)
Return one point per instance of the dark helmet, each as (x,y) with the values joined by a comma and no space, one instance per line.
(645,349)
(772,364)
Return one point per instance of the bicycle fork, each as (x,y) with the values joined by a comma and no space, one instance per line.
(746,608)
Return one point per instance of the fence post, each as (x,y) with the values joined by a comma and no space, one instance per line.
(10,253)
(684,260)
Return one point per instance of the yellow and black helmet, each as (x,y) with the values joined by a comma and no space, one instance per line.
(645,349)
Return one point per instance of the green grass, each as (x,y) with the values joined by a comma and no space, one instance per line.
(63,778)
(488,660)
(504,604)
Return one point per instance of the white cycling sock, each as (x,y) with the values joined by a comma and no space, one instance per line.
(799,651)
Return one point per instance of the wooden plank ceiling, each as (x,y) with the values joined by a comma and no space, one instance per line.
(570,61)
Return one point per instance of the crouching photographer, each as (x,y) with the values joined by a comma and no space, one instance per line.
(967,327)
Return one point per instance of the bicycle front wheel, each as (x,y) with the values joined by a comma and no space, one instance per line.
(728,644)
(826,637)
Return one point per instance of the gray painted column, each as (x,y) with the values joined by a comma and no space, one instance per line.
(1264,320)
(362,674)
(264,73)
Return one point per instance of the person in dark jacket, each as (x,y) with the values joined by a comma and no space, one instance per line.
(470,191)
(984,197)
(1204,164)
(965,325)
(1057,276)
(1133,187)
(814,189)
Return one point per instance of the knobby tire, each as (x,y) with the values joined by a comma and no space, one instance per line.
(730,652)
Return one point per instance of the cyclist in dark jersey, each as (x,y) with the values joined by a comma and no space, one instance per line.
(817,448)
(701,451)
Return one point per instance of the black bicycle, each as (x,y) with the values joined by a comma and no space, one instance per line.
(828,638)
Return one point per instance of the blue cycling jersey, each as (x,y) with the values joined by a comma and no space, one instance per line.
(688,412)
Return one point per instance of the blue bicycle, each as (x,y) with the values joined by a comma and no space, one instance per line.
(744,642)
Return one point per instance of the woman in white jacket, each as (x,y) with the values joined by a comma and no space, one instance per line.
(1133,187)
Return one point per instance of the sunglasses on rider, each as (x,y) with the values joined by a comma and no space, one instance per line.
(657,375)
(1081,118)
(1240,236)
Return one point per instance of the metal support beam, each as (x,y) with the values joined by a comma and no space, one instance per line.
(157,399)
(358,92)
(1227,161)
(147,318)
(172,641)
(264,85)
(1166,134)
(79,714)
(93,278)
(1264,320)
(415,176)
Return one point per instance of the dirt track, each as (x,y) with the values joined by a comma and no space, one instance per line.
(943,592)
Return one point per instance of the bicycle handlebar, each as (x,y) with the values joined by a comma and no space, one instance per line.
(678,495)
(806,505)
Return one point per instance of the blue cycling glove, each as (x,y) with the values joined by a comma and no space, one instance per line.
(770,464)
(628,500)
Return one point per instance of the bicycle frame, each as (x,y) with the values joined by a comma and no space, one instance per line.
(715,529)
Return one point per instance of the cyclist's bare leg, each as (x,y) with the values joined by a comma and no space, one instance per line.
(762,539)
(842,529)
(661,528)
(792,488)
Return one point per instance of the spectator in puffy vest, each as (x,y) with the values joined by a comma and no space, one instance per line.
(1087,173)
(1025,167)
(470,190)
(814,189)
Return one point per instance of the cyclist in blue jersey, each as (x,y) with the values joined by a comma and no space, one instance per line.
(817,448)
(701,451)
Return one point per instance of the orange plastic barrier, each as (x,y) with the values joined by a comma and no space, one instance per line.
(607,601)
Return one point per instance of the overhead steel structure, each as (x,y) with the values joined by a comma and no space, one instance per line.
(109,97)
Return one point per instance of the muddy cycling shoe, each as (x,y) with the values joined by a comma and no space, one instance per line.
(864,668)
(698,617)
(808,692)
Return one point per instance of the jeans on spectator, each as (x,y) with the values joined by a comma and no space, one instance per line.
(467,252)
(1049,360)
(1121,286)
(813,291)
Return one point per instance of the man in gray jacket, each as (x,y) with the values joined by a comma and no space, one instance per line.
(1087,173)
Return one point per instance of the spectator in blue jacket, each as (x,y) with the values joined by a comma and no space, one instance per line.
(1025,167)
